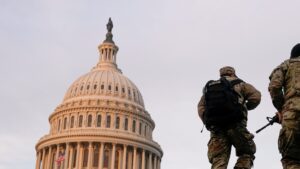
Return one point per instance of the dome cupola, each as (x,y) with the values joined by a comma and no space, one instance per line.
(105,80)
(108,50)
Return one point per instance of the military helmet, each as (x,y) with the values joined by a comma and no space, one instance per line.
(227,71)
(295,51)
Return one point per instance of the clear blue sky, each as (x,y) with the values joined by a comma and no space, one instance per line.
(169,49)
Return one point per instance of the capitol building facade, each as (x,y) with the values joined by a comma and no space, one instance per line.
(101,123)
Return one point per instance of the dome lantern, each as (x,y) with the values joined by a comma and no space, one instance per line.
(108,50)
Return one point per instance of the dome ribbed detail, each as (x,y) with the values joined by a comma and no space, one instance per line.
(104,83)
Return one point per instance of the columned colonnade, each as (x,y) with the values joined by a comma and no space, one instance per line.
(96,155)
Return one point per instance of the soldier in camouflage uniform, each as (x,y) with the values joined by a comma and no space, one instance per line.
(221,140)
(284,89)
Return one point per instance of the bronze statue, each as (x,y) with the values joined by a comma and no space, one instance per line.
(109,25)
(109,35)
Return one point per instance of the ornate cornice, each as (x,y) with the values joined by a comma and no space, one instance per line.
(107,137)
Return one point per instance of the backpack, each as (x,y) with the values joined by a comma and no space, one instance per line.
(222,106)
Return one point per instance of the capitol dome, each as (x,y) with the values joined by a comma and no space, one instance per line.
(101,123)
(105,82)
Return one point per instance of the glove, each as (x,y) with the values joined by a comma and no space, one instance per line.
(279,115)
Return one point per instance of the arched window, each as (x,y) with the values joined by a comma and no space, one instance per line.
(72,122)
(140,129)
(109,54)
(96,156)
(65,123)
(98,120)
(109,87)
(145,132)
(102,87)
(126,124)
(108,119)
(85,156)
(95,86)
(133,126)
(80,121)
(117,88)
(117,122)
(90,118)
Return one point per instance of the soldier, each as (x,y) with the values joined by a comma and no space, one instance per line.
(284,89)
(224,137)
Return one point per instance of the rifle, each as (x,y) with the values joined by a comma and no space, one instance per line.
(271,121)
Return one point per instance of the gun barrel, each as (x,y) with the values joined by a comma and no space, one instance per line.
(259,130)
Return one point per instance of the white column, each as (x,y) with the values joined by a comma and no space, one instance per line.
(66,156)
(38,160)
(80,157)
(101,155)
(56,156)
(124,157)
(43,158)
(113,121)
(103,118)
(119,160)
(150,161)
(46,159)
(49,158)
(90,157)
(113,156)
(77,155)
(155,162)
(143,159)
(71,157)
(134,166)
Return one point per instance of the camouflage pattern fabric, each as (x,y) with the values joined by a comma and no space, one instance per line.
(227,71)
(289,140)
(284,88)
(220,143)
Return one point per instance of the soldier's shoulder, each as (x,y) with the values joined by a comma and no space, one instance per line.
(285,64)
(282,67)
(239,82)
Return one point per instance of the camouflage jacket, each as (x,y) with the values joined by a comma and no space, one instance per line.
(284,86)
(249,95)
